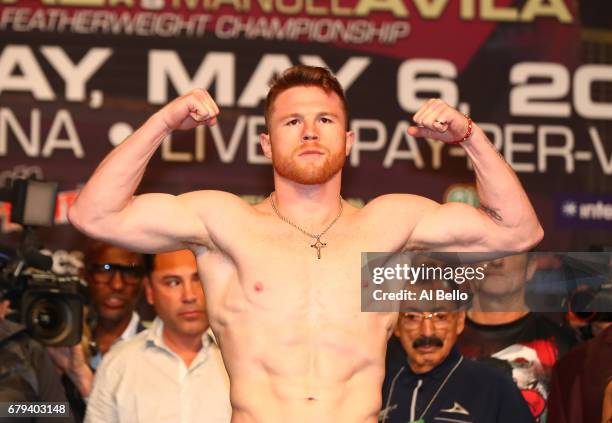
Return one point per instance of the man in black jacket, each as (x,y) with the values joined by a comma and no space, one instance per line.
(27,373)
(428,380)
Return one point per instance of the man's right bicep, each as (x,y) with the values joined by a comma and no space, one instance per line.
(155,223)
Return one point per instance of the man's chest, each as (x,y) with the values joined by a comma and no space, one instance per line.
(271,267)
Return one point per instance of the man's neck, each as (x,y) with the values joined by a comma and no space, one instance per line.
(106,332)
(309,206)
(420,369)
(495,317)
(186,347)
(512,301)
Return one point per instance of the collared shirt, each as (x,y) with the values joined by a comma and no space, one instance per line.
(131,329)
(143,380)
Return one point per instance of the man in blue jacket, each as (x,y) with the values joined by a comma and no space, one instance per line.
(428,380)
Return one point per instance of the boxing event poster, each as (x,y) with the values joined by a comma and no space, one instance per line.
(77,76)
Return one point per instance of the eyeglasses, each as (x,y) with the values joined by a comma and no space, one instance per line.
(105,272)
(440,320)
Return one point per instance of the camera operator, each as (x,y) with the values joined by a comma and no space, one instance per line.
(47,305)
(27,374)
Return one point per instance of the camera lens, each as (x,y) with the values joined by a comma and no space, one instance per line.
(580,302)
(591,305)
(49,318)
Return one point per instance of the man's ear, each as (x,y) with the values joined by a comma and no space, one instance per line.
(266,145)
(148,290)
(532,266)
(350,140)
(460,322)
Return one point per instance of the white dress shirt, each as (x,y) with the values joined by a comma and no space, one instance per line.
(142,380)
(130,331)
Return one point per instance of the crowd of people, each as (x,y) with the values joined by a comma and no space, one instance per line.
(463,365)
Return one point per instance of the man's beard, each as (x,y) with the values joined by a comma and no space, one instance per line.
(311,173)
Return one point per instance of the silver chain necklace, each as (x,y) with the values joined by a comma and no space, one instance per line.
(318,244)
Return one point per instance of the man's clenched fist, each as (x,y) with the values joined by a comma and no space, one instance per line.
(437,120)
(190,110)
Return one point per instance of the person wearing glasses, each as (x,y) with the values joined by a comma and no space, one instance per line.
(114,279)
(173,371)
(428,380)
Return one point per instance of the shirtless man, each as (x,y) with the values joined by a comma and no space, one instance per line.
(295,344)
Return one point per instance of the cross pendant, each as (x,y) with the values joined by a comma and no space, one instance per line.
(318,245)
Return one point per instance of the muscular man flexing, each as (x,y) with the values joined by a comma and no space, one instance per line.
(282,277)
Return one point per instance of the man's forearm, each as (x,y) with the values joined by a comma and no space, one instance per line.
(501,194)
(82,379)
(112,185)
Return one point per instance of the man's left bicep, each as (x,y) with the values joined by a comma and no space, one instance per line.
(457,227)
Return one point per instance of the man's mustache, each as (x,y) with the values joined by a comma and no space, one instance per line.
(426,341)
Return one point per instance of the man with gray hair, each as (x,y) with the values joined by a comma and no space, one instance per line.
(427,379)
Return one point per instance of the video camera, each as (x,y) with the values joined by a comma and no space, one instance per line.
(49,305)
(591,299)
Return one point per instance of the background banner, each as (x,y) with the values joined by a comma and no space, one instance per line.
(77,76)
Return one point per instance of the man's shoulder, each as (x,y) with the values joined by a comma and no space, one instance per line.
(403,201)
(498,394)
(533,327)
(10,329)
(484,375)
(546,327)
(18,337)
(125,351)
(218,207)
(204,197)
(395,208)
(545,321)
(481,379)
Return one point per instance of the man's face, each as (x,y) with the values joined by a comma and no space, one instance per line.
(176,293)
(114,279)
(506,275)
(427,337)
(307,141)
